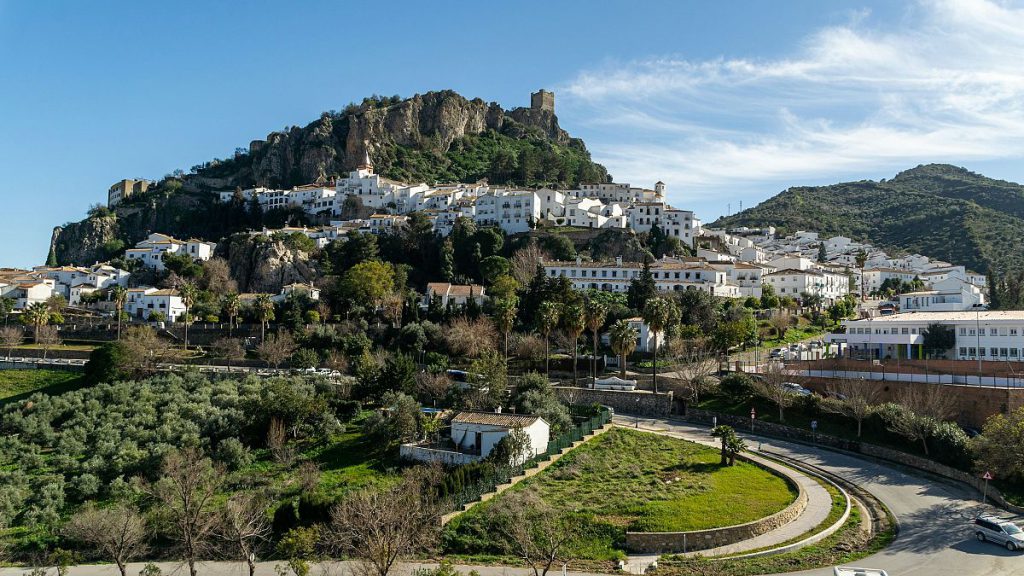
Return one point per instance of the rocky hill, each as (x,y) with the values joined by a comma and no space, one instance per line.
(939,210)
(433,137)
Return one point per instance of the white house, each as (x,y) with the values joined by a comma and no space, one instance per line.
(475,434)
(297,289)
(646,338)
(792,282)
(142,302)
(454,294)
(152,250)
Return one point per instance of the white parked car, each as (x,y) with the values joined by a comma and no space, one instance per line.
(796,388)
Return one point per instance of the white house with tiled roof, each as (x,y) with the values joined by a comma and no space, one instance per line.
(792,282)
(152,250)
(454,294)
(474,435)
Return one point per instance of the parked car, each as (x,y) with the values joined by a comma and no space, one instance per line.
(776,353)
(988,528)
(796,388)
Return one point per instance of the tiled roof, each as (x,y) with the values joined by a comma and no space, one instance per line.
(502,420)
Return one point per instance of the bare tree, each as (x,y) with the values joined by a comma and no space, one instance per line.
(434,386)
(532,530)
(186,494)
(11,337)
(217,277)
(857,399)
(143,348)
(336,361)
(244,526)
(918,412)
(524,262)
(118,532)
(309,476)
(48,337)
(780,322)
(772,387)
(276,348)
(467,337)
(277,441)
(229,349)
(696,360)
(381,525)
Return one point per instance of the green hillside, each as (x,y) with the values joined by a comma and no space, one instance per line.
(938,210)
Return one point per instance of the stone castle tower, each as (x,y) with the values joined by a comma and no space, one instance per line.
(543,100)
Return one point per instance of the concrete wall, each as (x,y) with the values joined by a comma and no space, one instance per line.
(641,403)
(975,404)
(674,542)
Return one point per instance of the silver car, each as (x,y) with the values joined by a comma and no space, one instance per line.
(992,529)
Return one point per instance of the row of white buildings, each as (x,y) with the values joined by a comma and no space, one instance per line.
(606,205)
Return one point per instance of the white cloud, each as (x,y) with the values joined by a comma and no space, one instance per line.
(944,84)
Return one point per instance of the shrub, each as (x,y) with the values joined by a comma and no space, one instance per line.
(233,454)
(305,358)
(106,363)
(737,385)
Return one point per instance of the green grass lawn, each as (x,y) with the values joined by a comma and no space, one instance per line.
(627,480)
(19,384)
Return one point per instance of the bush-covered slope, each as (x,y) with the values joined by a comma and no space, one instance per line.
(939,210)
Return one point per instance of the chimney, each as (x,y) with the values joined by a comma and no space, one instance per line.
(579,260)
(497,410)
(618,260)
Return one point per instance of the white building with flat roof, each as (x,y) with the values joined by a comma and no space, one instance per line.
(669,274)
(981,334)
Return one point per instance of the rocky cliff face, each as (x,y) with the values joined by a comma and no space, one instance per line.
(336,143)
(83,242)
(259,264)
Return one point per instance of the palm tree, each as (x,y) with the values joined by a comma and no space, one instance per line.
(594,313)
(656,315)
(264,313)
(622,338)
(119,294)
(505,317)
(574,321)
(548,314)
(232,304)
(189,293)
(38,313)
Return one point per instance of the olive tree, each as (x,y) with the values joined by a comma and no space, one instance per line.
(118,532)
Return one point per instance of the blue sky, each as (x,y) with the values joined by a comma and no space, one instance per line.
(725,102)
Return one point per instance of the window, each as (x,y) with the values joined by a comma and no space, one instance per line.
(993,332)
(994,352)
(971,332)
(963,351)
(1002,352)
(1013,352)
(981,351)
(971,352)
(905,330)
(963,331)
(1013,331)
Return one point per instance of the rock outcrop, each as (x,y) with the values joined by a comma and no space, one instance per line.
(260,264)
(335,143)
(83,242)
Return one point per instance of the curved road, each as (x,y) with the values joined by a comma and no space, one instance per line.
(935,538)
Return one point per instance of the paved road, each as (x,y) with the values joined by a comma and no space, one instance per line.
(934,539)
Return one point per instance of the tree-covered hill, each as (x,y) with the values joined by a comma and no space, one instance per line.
(938,210)
(434,137)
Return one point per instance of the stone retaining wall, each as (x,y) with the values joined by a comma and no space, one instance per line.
(637,402)
(679,542)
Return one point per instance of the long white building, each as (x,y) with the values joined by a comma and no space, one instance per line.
(985,335)
(670,275)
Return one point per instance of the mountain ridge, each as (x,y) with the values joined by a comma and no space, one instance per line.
(943,211)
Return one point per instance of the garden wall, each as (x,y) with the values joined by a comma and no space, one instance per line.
(679,542)
(640,403)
